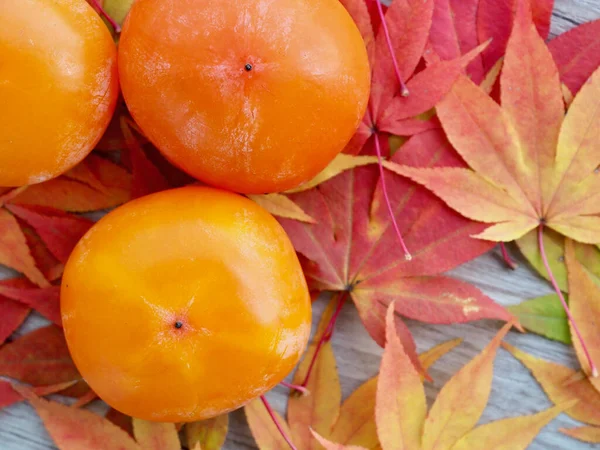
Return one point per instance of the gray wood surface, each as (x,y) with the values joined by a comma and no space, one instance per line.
(514,391)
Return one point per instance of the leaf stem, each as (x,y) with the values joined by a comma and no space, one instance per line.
(507,259)
(564,303)
(403,89)
(326,336)
(407,254)
(276,422)
(295,387)
(104,14)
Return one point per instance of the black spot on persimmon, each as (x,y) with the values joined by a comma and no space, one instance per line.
(248,67)
(178,324)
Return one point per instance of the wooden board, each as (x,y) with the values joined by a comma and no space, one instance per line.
(514,392)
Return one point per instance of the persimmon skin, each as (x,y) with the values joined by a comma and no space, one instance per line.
(253,96)
(58,84)
(185,304)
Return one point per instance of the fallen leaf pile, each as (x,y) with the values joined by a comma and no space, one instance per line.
(478,131)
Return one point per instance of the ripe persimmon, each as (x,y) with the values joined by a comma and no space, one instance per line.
(58,84)
(251,96)
(185,304)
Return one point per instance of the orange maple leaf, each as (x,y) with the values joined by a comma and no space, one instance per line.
(528,166)
(73,428)
(403,422)
(318,412)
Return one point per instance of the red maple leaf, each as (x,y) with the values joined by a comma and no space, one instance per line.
(352,247)
(393,107)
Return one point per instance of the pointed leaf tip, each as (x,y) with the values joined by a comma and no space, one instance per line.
(462,400)
(562,384)
(401,406)
(328,445)
(282,206)
(585,434)
(14,251)
(515,433)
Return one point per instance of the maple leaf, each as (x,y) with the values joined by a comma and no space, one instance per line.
(545,316)
(74,428)
(401,408)
(352,247)
(577,54)
(355,424)
(395,51)
(563,384)
(208,434)
(585,307)
(352,423)
(531,167)
(526,172)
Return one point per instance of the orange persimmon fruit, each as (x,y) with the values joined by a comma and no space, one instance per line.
(58,85)
(253,96)
(185,304)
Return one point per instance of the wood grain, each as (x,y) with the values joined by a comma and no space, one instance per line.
(514,391)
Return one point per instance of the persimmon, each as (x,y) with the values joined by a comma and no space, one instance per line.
(251,96)
(58,84)
(185,304)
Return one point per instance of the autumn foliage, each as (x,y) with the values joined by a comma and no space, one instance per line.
(478,131)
